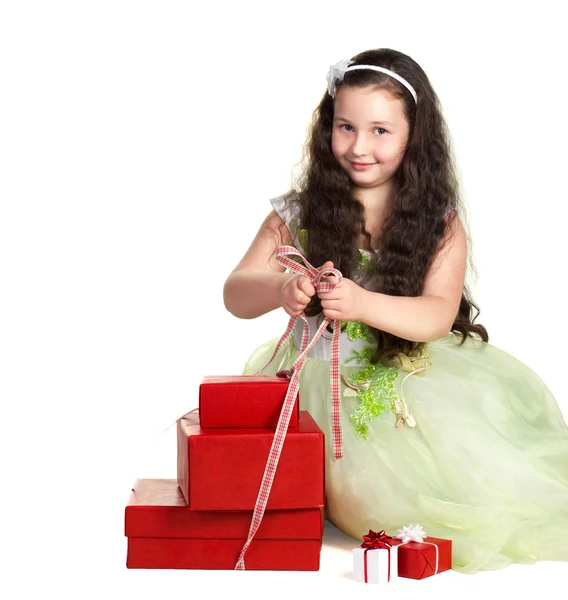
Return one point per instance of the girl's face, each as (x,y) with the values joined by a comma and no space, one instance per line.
(369,134)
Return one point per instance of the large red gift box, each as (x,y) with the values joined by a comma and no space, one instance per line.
(243,401)
(417,560)
(164,534)
(222,469)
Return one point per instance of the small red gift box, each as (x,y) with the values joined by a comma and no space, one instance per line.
(221,469)
(235,401)
(418,560)
(164,534)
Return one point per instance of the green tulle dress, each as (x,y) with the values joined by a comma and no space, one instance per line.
(486,464)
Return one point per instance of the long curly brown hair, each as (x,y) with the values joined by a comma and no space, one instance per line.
(414,227)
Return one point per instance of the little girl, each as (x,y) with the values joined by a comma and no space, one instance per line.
(439,427)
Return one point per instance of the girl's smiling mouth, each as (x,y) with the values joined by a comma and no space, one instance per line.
(361,166)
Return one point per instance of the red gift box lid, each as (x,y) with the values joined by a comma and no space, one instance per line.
(157,509)
(234,401)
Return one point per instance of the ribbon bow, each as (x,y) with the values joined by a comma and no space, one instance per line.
(411,533)
(374,540)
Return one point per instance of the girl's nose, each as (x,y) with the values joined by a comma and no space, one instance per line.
(360,146)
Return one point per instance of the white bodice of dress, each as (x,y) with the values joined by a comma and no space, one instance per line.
(322,348)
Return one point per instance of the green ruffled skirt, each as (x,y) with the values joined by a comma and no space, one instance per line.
(486,464)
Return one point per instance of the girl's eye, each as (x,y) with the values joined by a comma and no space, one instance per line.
(378,130)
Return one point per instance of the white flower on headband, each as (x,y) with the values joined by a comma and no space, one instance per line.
(411,533)
(336,73)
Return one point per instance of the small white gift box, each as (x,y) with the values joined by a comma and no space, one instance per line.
(375,566)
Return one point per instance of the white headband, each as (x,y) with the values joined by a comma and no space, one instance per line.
(337,73)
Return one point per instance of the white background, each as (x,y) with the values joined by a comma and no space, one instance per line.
(140,144)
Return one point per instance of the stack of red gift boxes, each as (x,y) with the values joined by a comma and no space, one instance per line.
(202,519)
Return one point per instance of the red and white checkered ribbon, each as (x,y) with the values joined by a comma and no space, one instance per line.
(316,277)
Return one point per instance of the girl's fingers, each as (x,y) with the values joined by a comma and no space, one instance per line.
(328,278)
(328,264)
(305,285)
(329,303)
(307,288)
(331,314)
(331,279)
(327,294)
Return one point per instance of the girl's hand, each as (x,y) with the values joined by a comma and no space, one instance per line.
(297,292)
(344,302)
